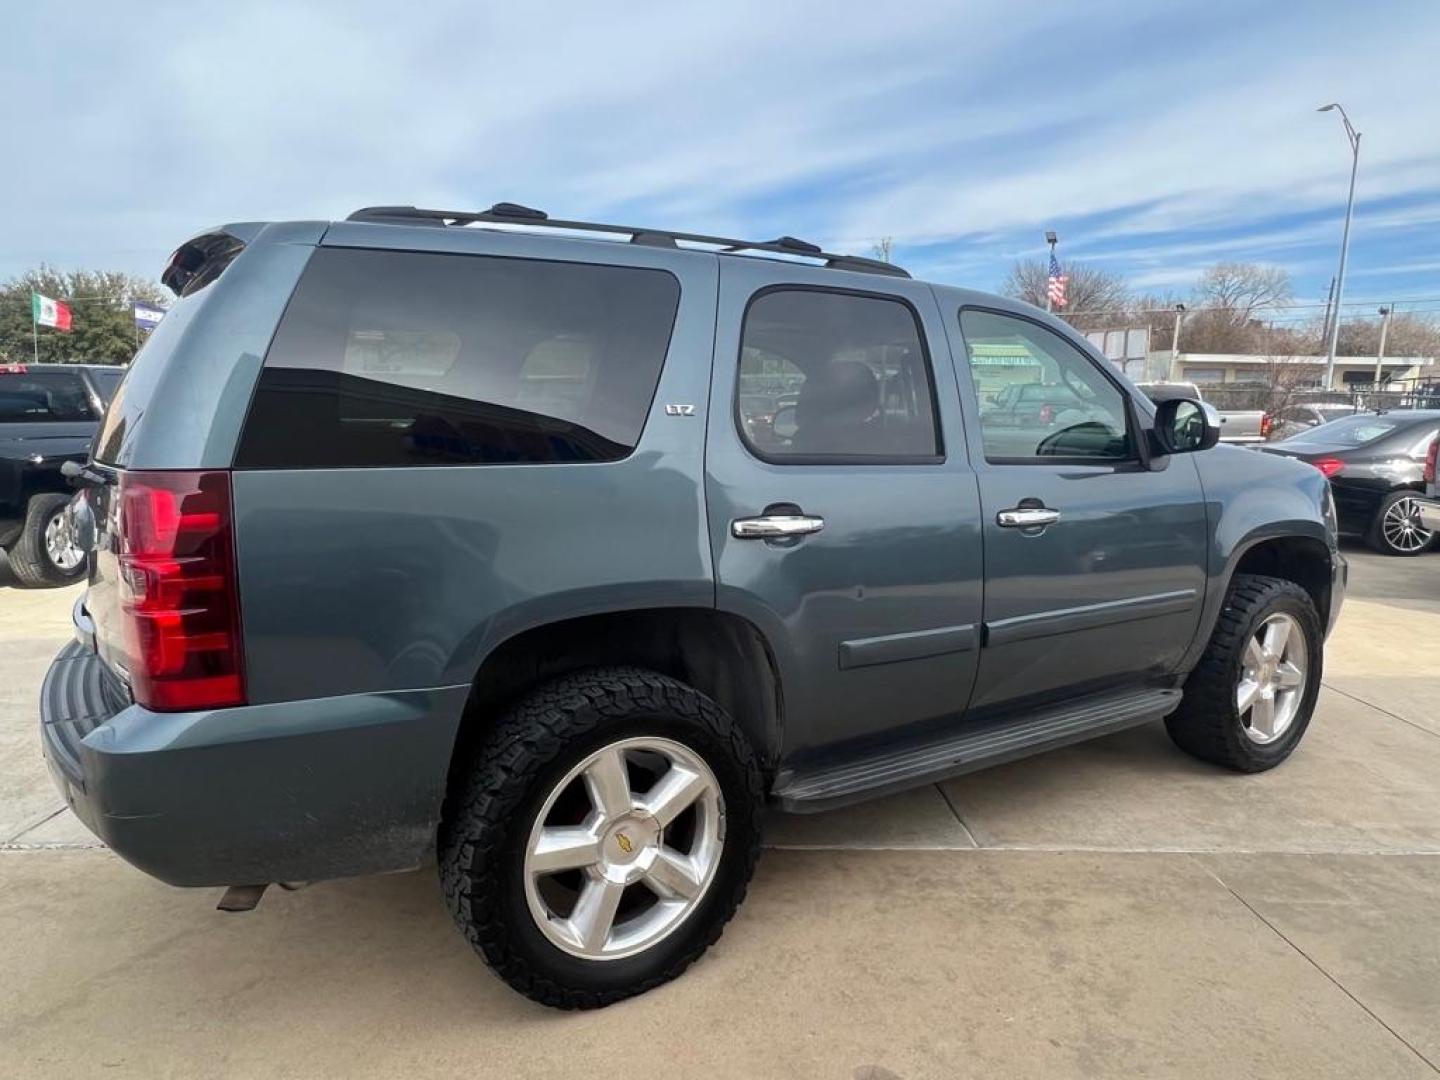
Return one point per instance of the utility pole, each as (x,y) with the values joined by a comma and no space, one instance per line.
(1353,137)
(1385,313)
(1050,238)
(1175,341)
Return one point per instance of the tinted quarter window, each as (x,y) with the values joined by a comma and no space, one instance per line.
(106,381)
(1040,397)
(43,397)
(835,376)
(403,358)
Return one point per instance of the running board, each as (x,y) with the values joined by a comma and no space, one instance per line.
(853,781)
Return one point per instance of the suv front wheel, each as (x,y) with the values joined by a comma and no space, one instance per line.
(603,834)
(1249,700)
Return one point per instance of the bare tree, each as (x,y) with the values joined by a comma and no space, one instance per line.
(1231,300)
(1410,334)
(1241,288)
(1089,289)
(883,248)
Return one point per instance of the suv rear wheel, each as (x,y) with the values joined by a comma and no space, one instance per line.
(1396,529)
(603,834)
(1248,702)
(46,553)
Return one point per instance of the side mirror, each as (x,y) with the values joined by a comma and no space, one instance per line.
(1183,426)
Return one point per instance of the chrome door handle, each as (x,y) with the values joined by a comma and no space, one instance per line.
(1027,517)
(775,526)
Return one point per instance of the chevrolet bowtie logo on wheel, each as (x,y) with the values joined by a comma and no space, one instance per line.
(624,842)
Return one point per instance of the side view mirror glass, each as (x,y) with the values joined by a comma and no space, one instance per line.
(1183,426)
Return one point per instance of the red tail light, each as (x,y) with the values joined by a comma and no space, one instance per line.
(1267,425)
(1047,414)
(178,591)
(1328,465)
(1430,460)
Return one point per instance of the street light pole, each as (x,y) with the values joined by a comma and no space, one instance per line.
(1380,352)
(1175,341)
(1354,138)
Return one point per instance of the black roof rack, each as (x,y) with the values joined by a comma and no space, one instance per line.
(505,213)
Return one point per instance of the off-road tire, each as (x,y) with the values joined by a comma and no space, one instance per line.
(29,561)
(1207,724)
(497,792)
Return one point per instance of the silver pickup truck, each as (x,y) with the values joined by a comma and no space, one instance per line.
(1236,425)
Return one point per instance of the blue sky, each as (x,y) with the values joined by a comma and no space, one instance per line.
(1155,139)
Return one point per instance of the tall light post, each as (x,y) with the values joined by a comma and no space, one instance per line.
(1380,352)
(1175,341)
(1354,138)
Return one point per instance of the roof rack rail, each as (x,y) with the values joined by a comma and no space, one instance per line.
(507,213)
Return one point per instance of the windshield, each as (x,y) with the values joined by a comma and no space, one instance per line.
(1346,431)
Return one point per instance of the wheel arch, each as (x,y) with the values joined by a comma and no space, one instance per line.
(1301,552)
(722,655)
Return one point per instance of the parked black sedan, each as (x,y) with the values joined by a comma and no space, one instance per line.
(1376,466)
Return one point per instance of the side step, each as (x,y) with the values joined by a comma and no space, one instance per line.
(894,770)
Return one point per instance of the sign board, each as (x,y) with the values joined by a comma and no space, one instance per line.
(1132,343)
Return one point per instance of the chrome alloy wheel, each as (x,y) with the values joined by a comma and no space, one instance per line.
(1401,526)
(611,869)
(60,545)
(1272,678)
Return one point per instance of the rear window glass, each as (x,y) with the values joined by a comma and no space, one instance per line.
(404,358)
(43,397)
(1347,431)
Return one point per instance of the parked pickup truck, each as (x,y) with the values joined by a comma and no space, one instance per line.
(1236,425)
(48,415)
(418,540)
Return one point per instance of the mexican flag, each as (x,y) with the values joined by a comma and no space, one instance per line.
(49,312)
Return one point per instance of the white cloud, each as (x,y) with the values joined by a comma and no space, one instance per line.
(931,124)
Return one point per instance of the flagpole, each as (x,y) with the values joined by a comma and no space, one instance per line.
(1050,238)
(34,329)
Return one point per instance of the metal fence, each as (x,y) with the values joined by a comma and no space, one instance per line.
(1421,393)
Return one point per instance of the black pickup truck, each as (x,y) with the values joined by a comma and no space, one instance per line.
(48,415)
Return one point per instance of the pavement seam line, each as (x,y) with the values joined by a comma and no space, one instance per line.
(1313,963)
(1379,709)
(34,823)
(950,803)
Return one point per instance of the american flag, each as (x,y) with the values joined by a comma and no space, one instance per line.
(1055,284)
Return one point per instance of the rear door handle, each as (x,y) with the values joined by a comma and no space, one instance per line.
(775,526)
(1027,517)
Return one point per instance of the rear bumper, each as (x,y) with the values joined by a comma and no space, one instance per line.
(289,792)
(1429,514)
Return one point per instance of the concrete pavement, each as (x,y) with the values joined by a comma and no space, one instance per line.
(1114,908)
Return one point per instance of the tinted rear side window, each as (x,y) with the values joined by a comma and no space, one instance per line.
(43,397)
(106,382)
(402,358)
(830,376)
